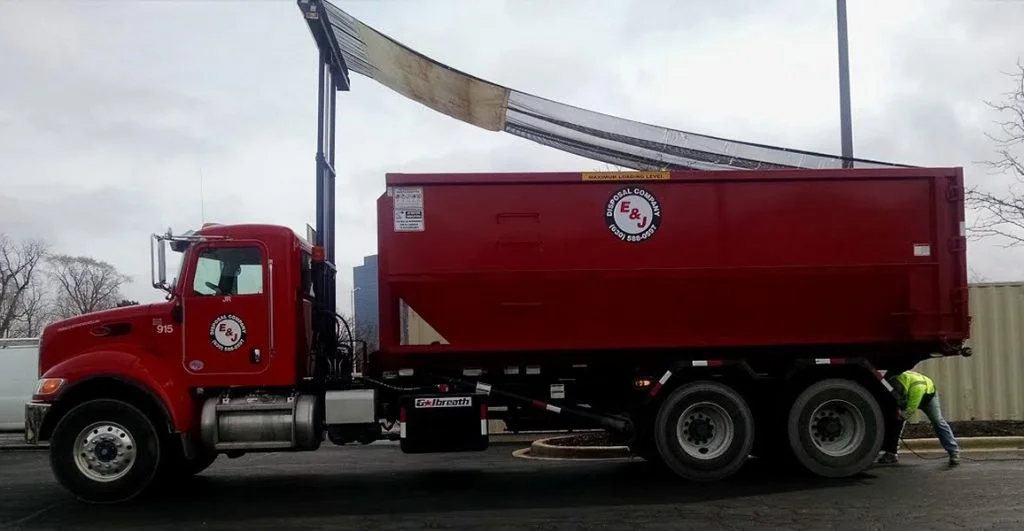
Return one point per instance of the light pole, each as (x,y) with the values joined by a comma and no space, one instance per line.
(354,290)
(846,128)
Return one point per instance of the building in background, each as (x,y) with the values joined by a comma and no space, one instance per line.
(364,295)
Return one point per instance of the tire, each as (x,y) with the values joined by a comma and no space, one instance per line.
(122,451)
(705,455)
(856,418)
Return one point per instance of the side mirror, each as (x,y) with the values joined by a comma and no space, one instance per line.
(158,264)
(162,260)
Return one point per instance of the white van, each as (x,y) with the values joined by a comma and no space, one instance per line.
(19,361)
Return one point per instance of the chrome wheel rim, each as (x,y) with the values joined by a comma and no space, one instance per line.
(105,451)
(837,428)
(705,431)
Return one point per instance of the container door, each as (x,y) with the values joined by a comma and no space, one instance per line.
(227,310)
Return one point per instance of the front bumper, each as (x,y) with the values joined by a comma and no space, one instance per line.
(35,414)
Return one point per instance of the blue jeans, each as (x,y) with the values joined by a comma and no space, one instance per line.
(930,407)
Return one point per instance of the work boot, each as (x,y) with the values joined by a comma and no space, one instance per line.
(888,458)
(954,459)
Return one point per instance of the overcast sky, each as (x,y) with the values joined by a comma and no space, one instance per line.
(111,110)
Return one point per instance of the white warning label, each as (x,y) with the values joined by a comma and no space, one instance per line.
(408,203)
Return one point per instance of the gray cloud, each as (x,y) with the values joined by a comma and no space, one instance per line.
(108,110)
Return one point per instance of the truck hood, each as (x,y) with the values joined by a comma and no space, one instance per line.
(68,337)
(98,318)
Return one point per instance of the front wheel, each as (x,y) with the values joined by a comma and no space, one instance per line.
(105,451)
(835,428)
(704,431)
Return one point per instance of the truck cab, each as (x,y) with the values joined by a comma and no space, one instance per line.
(238,315)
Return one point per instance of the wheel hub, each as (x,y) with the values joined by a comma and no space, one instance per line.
(830,427)
(104,451)
(701,429)
(837,428)
(705,431)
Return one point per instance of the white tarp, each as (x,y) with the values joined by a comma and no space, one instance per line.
(586,133)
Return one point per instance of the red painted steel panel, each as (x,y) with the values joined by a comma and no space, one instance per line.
(529,262)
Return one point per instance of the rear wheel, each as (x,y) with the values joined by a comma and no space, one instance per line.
(105,451)
(835,428)
(704,431)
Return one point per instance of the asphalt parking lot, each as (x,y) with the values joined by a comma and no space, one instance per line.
(377,487)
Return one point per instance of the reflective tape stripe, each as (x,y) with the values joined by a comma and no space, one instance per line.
(401,429)
(483,426)
(700,363)
(665,377)
(483,388)
(553,409)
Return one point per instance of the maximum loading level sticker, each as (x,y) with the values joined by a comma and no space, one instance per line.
(408,208)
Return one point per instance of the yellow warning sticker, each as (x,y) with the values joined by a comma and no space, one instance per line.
(612,176)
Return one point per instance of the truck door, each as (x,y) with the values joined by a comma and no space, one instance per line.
(226,310)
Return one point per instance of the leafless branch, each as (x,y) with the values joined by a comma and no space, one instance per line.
(85,285)
(19,263)
(1001,213)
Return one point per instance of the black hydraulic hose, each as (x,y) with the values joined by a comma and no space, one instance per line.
(395,388)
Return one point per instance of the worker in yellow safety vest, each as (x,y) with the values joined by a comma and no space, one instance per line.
(915,391)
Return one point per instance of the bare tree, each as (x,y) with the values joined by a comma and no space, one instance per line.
(19,265)
(36,310)
(1002,212)
(85,285)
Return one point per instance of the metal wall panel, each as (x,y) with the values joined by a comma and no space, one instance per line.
(990,384)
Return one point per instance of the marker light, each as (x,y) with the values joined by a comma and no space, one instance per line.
(48,386)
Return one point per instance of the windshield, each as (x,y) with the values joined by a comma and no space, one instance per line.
(228,271)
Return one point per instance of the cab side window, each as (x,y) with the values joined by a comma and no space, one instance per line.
(229,271)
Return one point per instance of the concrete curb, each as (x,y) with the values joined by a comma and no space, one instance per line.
(968,444)
(543,449)
(521,438)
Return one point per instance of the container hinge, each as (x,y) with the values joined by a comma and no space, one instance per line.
(954,193)
(957,244)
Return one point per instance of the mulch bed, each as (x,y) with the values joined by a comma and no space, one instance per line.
(968,428)
(599,438)
(920,430)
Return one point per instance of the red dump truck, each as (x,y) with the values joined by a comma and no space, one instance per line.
(698,317)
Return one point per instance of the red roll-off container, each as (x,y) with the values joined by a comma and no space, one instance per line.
(569,261)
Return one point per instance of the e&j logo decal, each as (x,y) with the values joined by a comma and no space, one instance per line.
(633,214)
(227,332)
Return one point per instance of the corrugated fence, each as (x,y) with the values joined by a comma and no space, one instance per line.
(990,384)
(987,386)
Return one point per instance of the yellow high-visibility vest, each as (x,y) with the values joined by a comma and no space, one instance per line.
(914,386)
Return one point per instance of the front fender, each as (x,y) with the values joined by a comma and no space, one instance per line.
(139,369)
